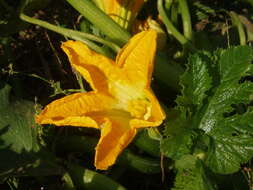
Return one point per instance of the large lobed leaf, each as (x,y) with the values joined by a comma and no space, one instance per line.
(215,89)
(17,132)
(19,149)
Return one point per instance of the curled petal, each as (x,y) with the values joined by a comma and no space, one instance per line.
(115,136)
(95,68)
(75,110)
(157,113)
(138,123)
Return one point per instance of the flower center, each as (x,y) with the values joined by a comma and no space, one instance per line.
(140,108)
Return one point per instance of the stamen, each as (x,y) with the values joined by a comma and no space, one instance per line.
(140,108)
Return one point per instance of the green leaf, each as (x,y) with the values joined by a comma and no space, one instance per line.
(18,132)
(232,146)
(216,102)
(179,140)
(232,136)
(191,175)
(235,63)
(196,81)
(17,123)
(226,153)
(19,148)
(4,96)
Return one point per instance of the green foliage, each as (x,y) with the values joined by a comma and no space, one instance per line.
(206,138)
(191,175)
(18,132)
(202,11)
(232,135)
(196,82)
(178,141)
(19,148)
(215,123)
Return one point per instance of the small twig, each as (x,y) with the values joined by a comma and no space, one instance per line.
(162,167)
(45,65)
(59,62)
(227,33)
(53,48)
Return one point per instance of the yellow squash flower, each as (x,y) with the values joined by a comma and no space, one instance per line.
(121,11)
(121,101)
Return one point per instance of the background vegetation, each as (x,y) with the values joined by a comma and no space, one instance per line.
(214,60)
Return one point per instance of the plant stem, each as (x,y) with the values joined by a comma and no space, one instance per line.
(172,30)
(99,4)
(167,72)
(144,142)
(236,21)
(80,81)
(186,18)
(76,35)
(102,21)
(142,164)
(87,179)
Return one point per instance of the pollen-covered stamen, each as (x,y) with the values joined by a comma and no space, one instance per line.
(140,108)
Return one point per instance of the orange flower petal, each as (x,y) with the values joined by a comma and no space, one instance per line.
(116,134)
(73,110)
(95,68)
(112,7)
(136,58)
(115,8)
